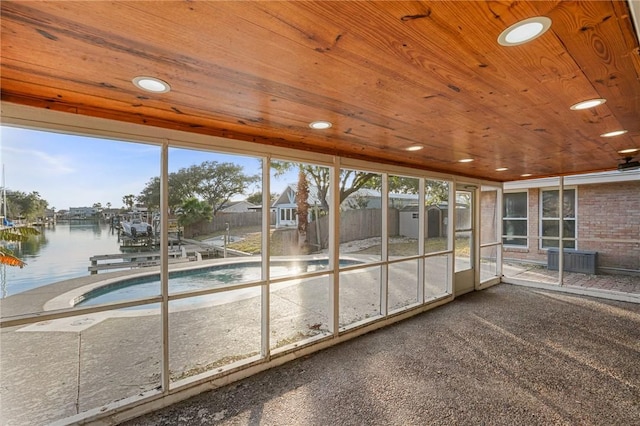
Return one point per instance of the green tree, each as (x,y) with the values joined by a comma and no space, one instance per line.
(29,206)
(128,200)
(256,198)
(211,181)
(182,186)
(436,192)
(218,182)
(150,195)
(194,211)
(350,180)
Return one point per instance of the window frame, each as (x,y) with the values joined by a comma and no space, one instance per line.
(558,219)
(525,219)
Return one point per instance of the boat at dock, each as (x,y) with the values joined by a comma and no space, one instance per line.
(135,227)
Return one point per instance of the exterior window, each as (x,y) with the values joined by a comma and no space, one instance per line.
(551,218)
(514,219)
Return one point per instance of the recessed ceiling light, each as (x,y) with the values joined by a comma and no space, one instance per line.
(525,175)
(502,169)
(465,160)
(629,151)
(587,104)
(320,125)
(614,133)
(414,148)
(151,84)
(524,31)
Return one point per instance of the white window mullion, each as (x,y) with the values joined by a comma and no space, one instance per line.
(384,271)
(266,259)
(561,231)
(423,217)
(451,232)
(164,262)
(334,246)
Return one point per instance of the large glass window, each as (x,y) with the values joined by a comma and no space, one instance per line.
(436,200)
(299,306)
(551,213)
(252,266)
(515,219)
(489,233)
(360,243)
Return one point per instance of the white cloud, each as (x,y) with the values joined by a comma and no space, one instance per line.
(40,161)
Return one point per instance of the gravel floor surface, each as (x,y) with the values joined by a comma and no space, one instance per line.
(503,356)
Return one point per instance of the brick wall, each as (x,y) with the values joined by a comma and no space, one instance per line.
(608,211)
(611,211)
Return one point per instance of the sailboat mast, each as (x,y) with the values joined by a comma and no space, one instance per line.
(4,195)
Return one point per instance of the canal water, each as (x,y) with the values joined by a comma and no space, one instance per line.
(59,253)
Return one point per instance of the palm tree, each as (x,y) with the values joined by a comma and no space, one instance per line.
(14,235)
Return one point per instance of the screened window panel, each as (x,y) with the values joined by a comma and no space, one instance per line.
(515,205)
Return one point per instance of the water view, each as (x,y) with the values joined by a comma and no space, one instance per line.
(59,253)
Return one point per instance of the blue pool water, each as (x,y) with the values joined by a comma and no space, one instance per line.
(197,279)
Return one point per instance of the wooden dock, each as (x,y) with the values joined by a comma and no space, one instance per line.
(192,251)
(104,262)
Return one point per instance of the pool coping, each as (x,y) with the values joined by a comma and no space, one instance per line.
(62,294)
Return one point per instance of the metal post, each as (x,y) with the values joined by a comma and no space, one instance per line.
(164,262)
(334,246)
(384,271)
(561,232)
(265,302)
(422,237)
(226,238)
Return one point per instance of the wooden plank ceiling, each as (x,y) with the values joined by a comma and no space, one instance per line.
(388,75)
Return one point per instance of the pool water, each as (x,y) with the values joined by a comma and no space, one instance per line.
(196,279)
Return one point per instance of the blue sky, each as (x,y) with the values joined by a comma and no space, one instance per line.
(75,171)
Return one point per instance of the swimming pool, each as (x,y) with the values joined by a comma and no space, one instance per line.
(213,276)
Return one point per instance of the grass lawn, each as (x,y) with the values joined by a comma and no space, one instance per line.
(431,245)
(252,243)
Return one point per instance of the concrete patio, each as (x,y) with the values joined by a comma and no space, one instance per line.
(61,367)
(507,355)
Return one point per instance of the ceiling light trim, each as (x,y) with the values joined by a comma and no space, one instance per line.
(524,31)
(629,151)
(151,84)
(614,133)
(320,125)
(589,103)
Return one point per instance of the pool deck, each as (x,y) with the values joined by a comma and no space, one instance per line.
(508,355)
(57,368)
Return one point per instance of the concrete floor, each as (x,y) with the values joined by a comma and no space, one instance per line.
(507,355)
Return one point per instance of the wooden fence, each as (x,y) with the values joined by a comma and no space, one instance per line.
(221,220)
(358,224)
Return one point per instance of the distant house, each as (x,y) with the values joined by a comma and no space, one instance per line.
(82,212)
(285,207)
(600,214)
(239,207)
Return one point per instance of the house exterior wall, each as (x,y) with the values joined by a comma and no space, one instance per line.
(609,212)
